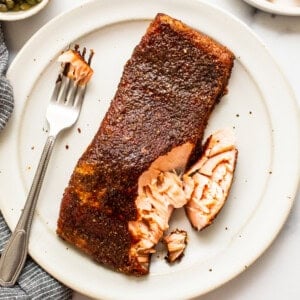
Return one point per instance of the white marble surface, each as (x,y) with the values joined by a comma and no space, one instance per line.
(275,275)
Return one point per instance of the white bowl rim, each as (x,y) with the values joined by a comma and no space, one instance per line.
(19,15)
(275,8)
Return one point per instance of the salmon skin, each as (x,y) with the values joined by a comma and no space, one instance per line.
(155,124)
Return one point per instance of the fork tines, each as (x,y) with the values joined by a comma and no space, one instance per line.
(74,75)
(83,53)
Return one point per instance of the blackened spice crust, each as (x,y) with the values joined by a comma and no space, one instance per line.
(166,94)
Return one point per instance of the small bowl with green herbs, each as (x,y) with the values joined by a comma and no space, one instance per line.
(11,10)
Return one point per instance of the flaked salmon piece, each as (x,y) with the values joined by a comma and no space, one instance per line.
(79,70)
(154,205)
(203,189)
(176,160)
(176,242)
(208,182)
(160,191)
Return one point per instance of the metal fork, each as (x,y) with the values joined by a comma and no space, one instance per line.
(62,112)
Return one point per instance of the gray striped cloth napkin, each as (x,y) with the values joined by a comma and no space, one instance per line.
(33,283)
(6,95)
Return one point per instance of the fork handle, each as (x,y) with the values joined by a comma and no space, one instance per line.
(15,252)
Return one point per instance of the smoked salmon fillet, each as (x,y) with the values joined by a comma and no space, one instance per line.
(125,185)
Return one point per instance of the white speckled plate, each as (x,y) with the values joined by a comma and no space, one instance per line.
(280,7)
(259,106)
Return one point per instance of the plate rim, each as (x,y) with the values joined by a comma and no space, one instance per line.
(274,8)
(227,15)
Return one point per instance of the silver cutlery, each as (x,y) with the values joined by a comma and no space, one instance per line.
(62,112)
